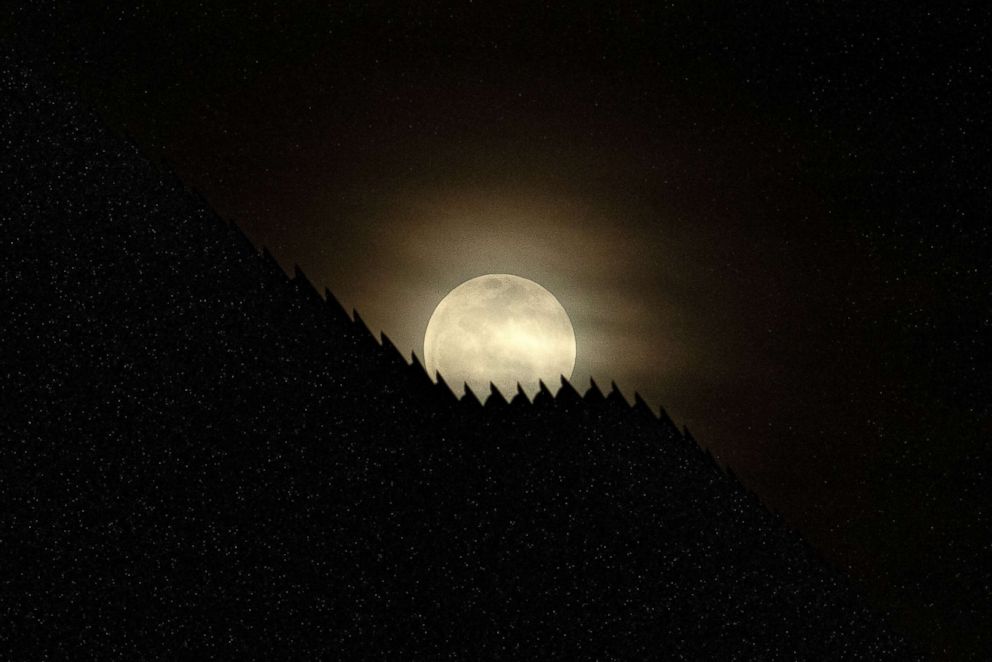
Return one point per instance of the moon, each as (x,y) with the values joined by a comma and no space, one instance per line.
(502,329)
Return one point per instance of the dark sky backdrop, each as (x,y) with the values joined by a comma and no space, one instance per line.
(775,225)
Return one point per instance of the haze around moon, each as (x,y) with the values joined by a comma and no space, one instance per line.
(500,329)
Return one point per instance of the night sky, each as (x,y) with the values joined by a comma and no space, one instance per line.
(774,225)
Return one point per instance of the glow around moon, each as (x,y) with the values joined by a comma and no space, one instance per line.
(502,329)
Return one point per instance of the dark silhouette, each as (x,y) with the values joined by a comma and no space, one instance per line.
(202,457)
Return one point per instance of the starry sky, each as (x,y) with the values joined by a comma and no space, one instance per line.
(774,224)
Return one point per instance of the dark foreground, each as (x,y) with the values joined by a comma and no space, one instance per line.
(203,458)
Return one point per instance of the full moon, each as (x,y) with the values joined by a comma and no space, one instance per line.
(502,329)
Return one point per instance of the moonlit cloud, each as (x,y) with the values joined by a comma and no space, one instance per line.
(628,329)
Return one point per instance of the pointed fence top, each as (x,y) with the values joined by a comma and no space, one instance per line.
(520,398)
(415,363)
(389,348)
(362,327)
(495,398)
(303,284)
(567,394)
(444,389)
(470,398)
(418,374)
(667,422)
(641,407)
(543,396)
(594,395)
(616,397)
(337,310)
